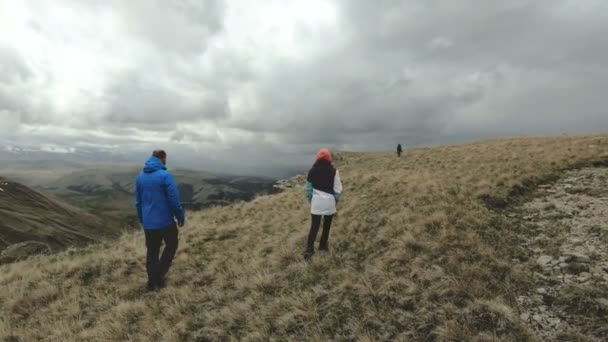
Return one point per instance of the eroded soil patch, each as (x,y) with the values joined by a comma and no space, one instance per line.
(565,234)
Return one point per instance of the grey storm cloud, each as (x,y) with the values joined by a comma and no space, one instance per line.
(12,69)
(137,101)
(160,39)
(427,69)
(13,74)
(174,27)
(345,74)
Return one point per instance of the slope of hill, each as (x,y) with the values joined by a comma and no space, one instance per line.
(27,215)
(421,250)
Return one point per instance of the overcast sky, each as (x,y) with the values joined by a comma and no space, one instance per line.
(236,83)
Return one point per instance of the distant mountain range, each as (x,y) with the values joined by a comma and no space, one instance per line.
(197,189)
(47,154)
(238,163)
(107,190)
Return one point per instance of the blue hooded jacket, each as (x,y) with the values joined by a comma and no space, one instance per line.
(157,197)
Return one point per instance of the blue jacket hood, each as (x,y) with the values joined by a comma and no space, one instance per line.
(154,164)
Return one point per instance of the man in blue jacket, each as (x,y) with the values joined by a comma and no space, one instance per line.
(157,203)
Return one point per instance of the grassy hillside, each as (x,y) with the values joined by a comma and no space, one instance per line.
(417,253)
(27,215)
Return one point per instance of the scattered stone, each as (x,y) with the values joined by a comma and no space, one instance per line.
(565,258)
(603,302)
(576,242)
(583,277)
(569,214)
(537,299)
(544,260)
(577,268)
(291,183)
(579,257)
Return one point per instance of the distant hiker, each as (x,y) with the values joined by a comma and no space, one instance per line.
(157,203)
(399,150)
(324,188)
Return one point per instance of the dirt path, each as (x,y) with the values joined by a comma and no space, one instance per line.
(565,234)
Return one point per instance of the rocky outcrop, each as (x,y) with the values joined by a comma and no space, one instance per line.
(565,230)
(291,183)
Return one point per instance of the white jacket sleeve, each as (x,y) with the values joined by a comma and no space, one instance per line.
(337,185)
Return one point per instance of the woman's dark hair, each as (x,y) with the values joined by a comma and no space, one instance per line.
(160,154)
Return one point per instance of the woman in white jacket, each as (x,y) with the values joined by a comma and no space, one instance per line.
(324,188)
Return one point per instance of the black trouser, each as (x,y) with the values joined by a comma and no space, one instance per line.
(157,269)
(314,229)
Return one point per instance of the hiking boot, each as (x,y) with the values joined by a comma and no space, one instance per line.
(324,249)
(308,255)
(152,287)
(162,283)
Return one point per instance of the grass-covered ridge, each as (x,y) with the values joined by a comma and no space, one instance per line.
(415,255)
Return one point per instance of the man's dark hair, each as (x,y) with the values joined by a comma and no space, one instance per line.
(160,154)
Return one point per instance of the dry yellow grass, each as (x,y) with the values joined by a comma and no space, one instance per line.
(415,255)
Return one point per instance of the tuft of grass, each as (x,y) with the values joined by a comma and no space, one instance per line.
(417,252)
(485,320)
(589,304)
(589,301)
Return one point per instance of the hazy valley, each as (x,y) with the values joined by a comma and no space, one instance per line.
(65,204)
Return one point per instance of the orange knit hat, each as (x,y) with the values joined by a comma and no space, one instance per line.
(324,154)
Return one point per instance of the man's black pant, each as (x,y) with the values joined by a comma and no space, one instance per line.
(314,229)
(158,268)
